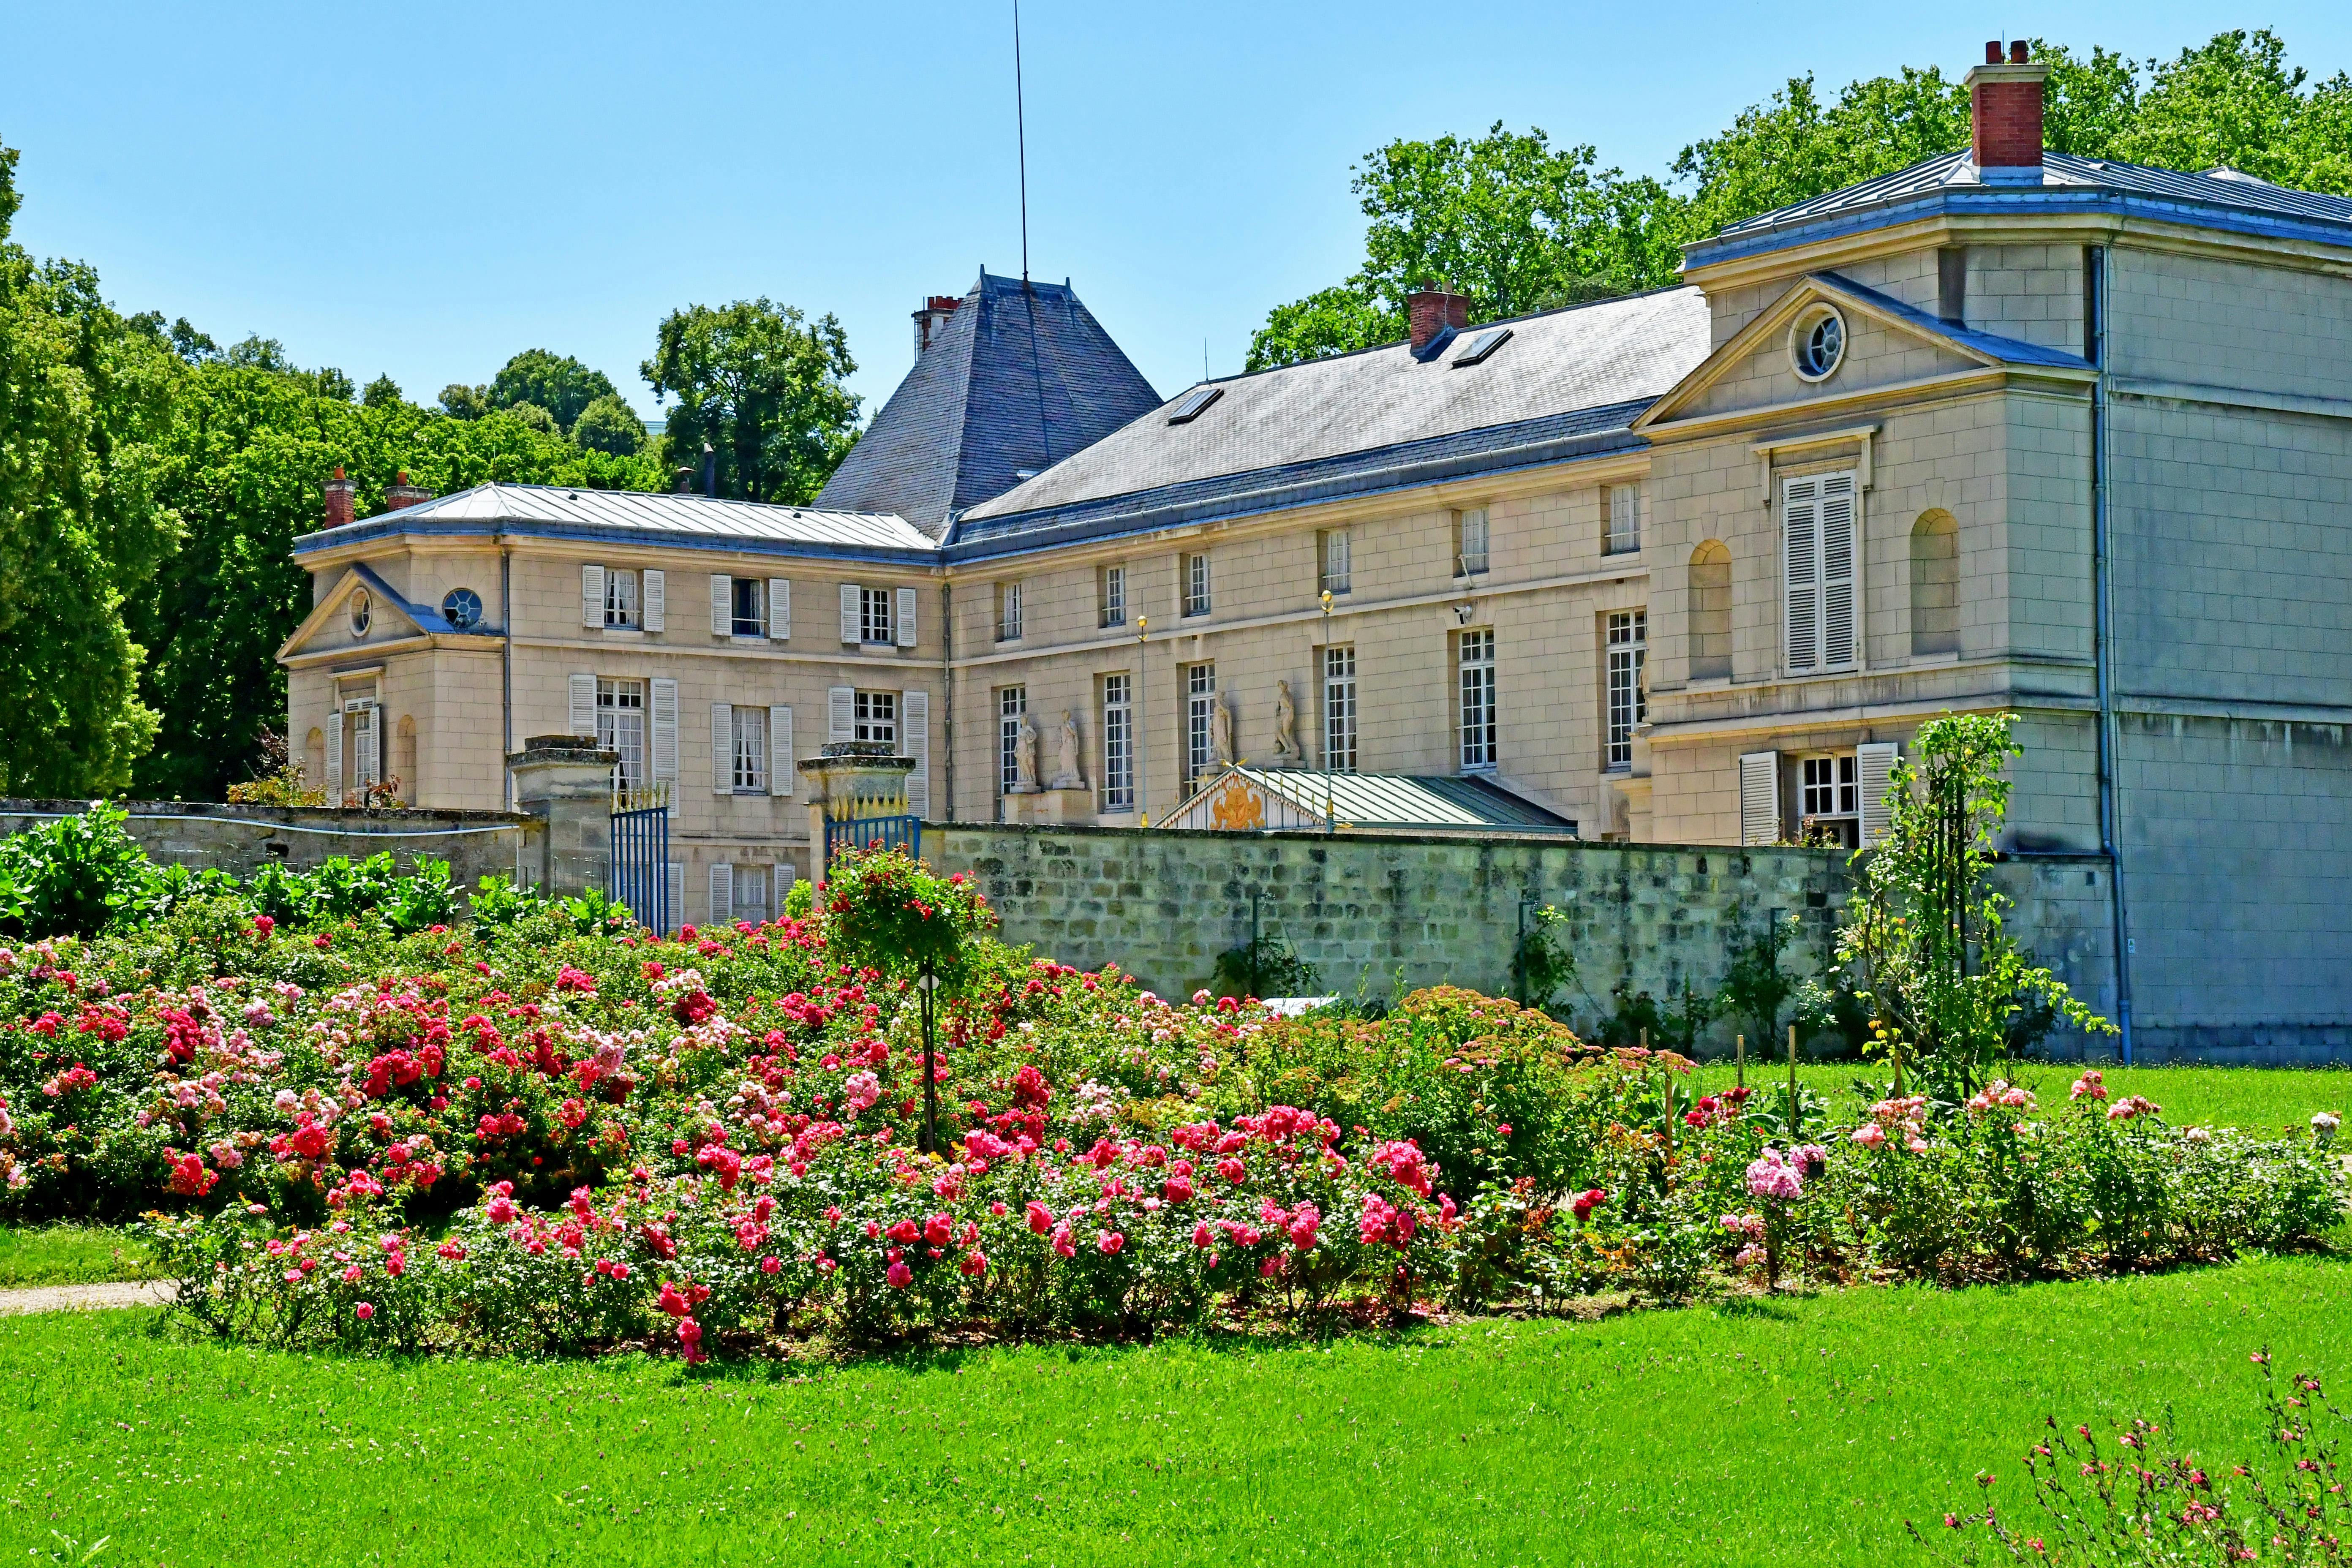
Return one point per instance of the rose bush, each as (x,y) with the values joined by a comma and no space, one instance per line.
(539,1133)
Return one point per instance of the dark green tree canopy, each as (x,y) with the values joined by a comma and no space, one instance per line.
(609,424)
(559,383)
(381,393)
(1519,225)
(762,385)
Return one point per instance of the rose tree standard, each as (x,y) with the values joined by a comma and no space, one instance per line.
(887,911)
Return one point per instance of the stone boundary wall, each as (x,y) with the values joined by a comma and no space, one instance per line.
(1376,912)
(242,838)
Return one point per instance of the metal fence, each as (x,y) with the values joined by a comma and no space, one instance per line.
(639,874)
(874,833)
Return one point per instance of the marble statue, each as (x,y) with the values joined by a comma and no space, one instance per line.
(1066,754)
(1221,730)
(1286,727)
(1024,758)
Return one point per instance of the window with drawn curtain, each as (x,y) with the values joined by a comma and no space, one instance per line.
(1113,586)
(1200,721)
(1196,584)
(750,751)
(1336,575)
(1622,532)
(621,727)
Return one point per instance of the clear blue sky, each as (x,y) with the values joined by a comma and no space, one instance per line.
(425,189)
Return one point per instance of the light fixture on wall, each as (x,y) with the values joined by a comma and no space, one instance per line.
(1462,614)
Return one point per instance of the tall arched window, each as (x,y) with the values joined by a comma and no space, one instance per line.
(1935,584)
(1710,610)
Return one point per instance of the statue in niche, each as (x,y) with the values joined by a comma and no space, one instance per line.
(1286,753)
(1066,754)
(1221,730)
(1024,758)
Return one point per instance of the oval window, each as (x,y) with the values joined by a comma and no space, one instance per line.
(1817,343)
(361,612)
(462,608)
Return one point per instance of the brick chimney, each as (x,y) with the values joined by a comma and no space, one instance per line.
(2005,117)
(931,319)
(400,494)
(1430,310)
(340,494)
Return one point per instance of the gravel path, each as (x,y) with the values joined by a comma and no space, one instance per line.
(86,1297)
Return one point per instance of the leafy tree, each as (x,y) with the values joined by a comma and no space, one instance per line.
(381,393)
(609,424)
(84,395)
(1756,989)
(1507,219)
(459,401)
(2235,104)
(763,385)
(559,383)
(533,417)
(330,383)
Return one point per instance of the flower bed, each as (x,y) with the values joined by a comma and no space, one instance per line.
(540,1133)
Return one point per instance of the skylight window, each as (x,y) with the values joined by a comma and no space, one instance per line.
(1188,407)
(1481,344)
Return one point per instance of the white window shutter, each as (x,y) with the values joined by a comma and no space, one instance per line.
(779,608)
(722,605)
(676,889)
(665,721)
(906,617)
(722,894)
(1760,797)
(722,749)
(915,741)
(592,596)
(1874,767)
(333,782)
(657,601)
(583,720)
(1838,542)
(367,737)
(851,595)
(840,712)
(1801,543)
(780,771)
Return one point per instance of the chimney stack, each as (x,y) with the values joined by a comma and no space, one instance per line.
(340,494)
(2005,117)
(400,495)
(931,319)
(1430,310)
(709,471)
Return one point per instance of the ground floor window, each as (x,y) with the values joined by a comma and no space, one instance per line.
(1200,721)
(1118,745)
(1829,799)
(1628,648)
(621,727)
(1478,728)
(1339,709)
(1011,707)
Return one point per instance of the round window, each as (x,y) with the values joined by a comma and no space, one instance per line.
(360,611)
(463,608)
(1817,343)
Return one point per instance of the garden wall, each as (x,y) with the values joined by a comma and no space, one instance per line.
(1373,913)
(242,838)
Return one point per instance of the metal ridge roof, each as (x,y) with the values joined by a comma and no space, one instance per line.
(1950,183)
(1375,800)
(641,517)
(2012,351)
(1499,449)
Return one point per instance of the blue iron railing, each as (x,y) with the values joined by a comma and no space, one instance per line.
(874,833)
(639,873)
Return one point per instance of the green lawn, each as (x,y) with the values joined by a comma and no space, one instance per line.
(69,1255)
(2226,1097)
(1798,1431)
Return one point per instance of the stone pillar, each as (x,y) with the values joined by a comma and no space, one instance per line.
(847,780)
(567,783)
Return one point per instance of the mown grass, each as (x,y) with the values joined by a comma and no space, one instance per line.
(1800,1430)
(2214,1095)
(70,1255)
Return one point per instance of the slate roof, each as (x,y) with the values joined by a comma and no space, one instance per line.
(1566,383)
(2010,350)
(2219,198)
(641,518)
(1019,378)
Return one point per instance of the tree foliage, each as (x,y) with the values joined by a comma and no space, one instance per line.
(609,424)
(1519,225)
(84,396)
(557,383)
(764,386)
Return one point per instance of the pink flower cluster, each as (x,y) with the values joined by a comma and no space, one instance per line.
(1775,1177)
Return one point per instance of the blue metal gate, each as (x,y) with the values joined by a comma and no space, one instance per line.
(639,874)
(874,833)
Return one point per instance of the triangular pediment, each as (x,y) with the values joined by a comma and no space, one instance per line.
(1887,344)
(327,626)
